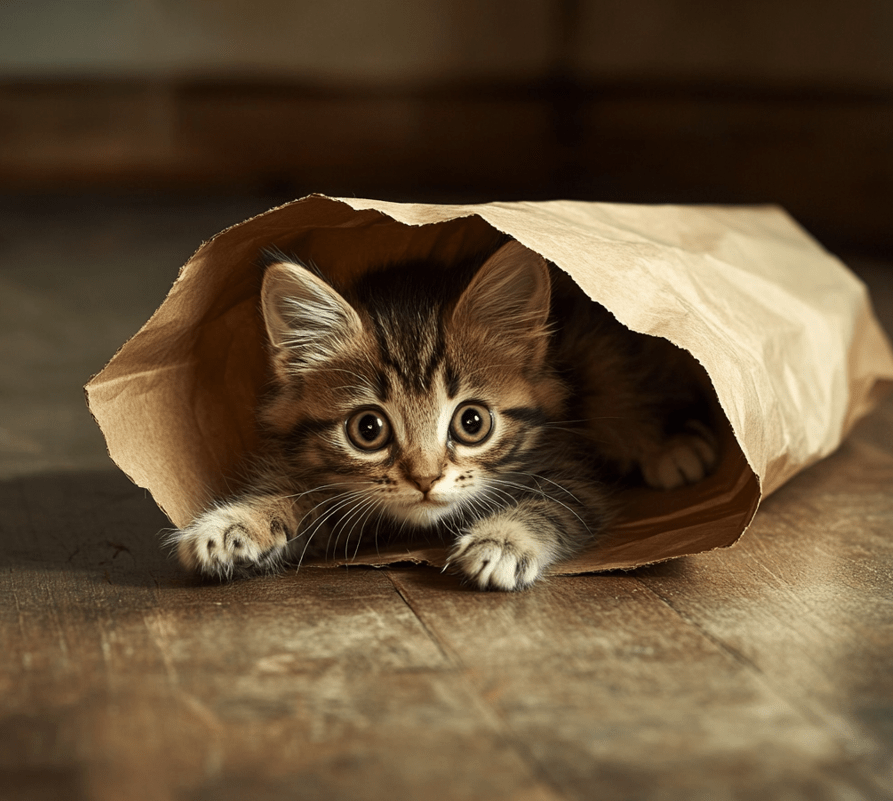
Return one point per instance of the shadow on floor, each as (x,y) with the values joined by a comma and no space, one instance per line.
(91,521)
(101,526)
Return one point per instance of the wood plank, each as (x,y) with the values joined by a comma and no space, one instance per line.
(615,695)
(123,679)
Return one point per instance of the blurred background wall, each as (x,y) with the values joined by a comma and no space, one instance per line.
(788,101)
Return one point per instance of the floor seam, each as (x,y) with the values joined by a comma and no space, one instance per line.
(504,729)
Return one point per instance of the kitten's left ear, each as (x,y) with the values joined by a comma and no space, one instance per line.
(510,297)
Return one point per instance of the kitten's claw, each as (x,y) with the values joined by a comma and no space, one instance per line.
(231,539)
(499,555)
(684,459)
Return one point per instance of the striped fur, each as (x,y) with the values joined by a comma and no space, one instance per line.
(488,403)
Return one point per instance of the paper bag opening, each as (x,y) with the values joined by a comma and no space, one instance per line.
(783,331)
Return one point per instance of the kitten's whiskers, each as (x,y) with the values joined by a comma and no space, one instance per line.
(546,495)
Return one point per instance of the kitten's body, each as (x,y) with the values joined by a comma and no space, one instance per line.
(489,404)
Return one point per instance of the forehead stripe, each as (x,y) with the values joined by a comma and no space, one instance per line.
(434,362)
(451,377)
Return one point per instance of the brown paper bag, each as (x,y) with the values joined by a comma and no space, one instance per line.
(784,331)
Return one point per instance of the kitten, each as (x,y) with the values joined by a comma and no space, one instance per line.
(489,402)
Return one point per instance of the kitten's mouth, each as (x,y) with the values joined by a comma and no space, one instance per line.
(427,499)
(431,503)
(423,512)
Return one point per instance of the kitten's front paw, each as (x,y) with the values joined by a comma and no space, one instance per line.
(500,554)
(683,459)
(234,538)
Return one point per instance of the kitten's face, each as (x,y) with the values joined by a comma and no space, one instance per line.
(413,407)
(423,455)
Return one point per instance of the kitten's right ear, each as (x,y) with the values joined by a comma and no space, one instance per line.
(510,298)
(305,317)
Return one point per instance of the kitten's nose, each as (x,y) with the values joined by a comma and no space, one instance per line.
(424,483)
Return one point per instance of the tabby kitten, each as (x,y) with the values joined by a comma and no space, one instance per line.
(490,403)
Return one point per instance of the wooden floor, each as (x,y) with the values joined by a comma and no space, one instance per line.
(761,672)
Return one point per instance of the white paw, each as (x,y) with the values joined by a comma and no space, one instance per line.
(230,539)
(500,554)
(684,459)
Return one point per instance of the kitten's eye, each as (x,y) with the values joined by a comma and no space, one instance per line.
(369,430)
(472,423)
